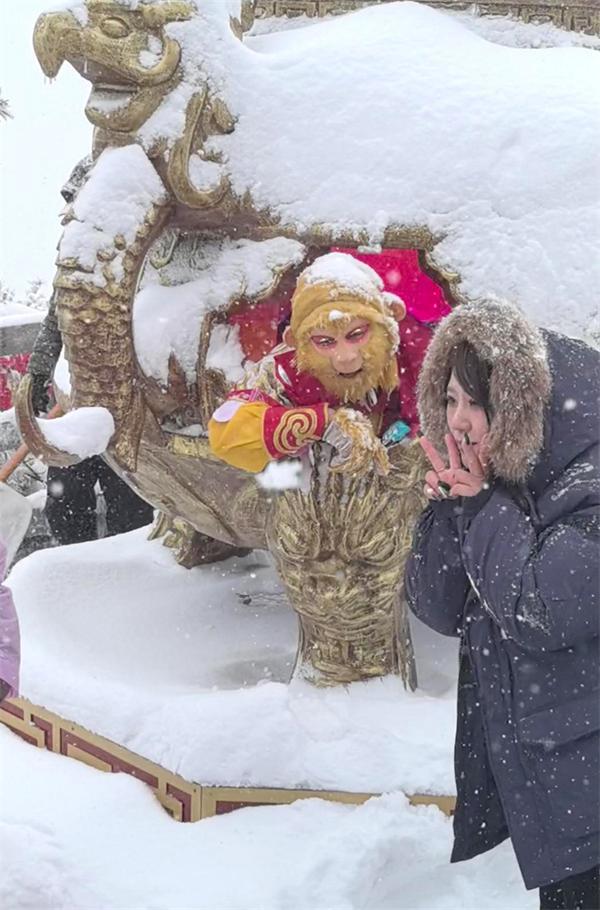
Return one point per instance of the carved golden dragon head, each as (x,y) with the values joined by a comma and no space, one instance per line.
(124,52)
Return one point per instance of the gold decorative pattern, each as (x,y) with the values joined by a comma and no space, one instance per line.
(191,548)
(581,15)
(40,727)
(185,800)
(295,429)
(341,550)
(203,118)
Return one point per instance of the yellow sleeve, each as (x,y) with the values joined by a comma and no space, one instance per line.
(239,441)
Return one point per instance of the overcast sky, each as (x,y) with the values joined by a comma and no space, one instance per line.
(38,147)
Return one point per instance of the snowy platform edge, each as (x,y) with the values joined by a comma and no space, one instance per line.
(185,800)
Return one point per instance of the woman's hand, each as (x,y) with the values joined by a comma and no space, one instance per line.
(465,473)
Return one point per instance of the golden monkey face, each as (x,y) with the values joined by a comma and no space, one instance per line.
(349,355)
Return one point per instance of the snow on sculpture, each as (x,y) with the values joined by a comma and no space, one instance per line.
(392,127)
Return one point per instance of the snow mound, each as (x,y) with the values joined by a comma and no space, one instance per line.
(330,131)
(345,273)
(281,475)
(122,187)
(84,432)
(225,352)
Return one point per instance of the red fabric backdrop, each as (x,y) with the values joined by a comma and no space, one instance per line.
(401,274)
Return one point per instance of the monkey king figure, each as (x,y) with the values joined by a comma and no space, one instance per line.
(345,374)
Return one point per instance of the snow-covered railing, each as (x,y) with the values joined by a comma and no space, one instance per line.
(184,800)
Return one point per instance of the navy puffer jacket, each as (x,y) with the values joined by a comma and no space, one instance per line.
(514,572)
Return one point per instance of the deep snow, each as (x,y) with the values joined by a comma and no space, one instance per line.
(75,838)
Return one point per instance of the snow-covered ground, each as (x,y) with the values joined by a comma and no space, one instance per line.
(75,838)
(191,668)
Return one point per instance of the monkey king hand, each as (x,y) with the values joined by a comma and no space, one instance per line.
(358,450)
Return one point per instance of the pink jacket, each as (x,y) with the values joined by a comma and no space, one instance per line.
(10,646)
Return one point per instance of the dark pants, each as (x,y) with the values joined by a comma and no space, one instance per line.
(578,892)
(71,502)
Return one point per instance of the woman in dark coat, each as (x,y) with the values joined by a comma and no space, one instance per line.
(506,557)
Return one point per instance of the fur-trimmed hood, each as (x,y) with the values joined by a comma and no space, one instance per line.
(529,414)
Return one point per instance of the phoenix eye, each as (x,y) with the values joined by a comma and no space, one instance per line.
(115,28)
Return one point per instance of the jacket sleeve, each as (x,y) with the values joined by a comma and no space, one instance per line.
(541,588)
(436,583)
(249,434)
(48,344)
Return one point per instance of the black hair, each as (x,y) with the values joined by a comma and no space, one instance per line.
(473,374)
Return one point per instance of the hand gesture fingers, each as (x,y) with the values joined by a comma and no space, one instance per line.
(431,489)
(453,452)
(466,483)
(471,460)
(431,484)
(436,460)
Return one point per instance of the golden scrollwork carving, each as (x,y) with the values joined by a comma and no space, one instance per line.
(191,548)
(95,324)
(203,118)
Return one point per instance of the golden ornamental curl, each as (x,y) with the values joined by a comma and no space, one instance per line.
(296,428)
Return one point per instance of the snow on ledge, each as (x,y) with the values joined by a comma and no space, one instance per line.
(84,432)
(225,352)
(345,274)
(122,187)
(13,314)
(167,317)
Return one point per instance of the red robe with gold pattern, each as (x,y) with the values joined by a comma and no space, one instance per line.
(280,410)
